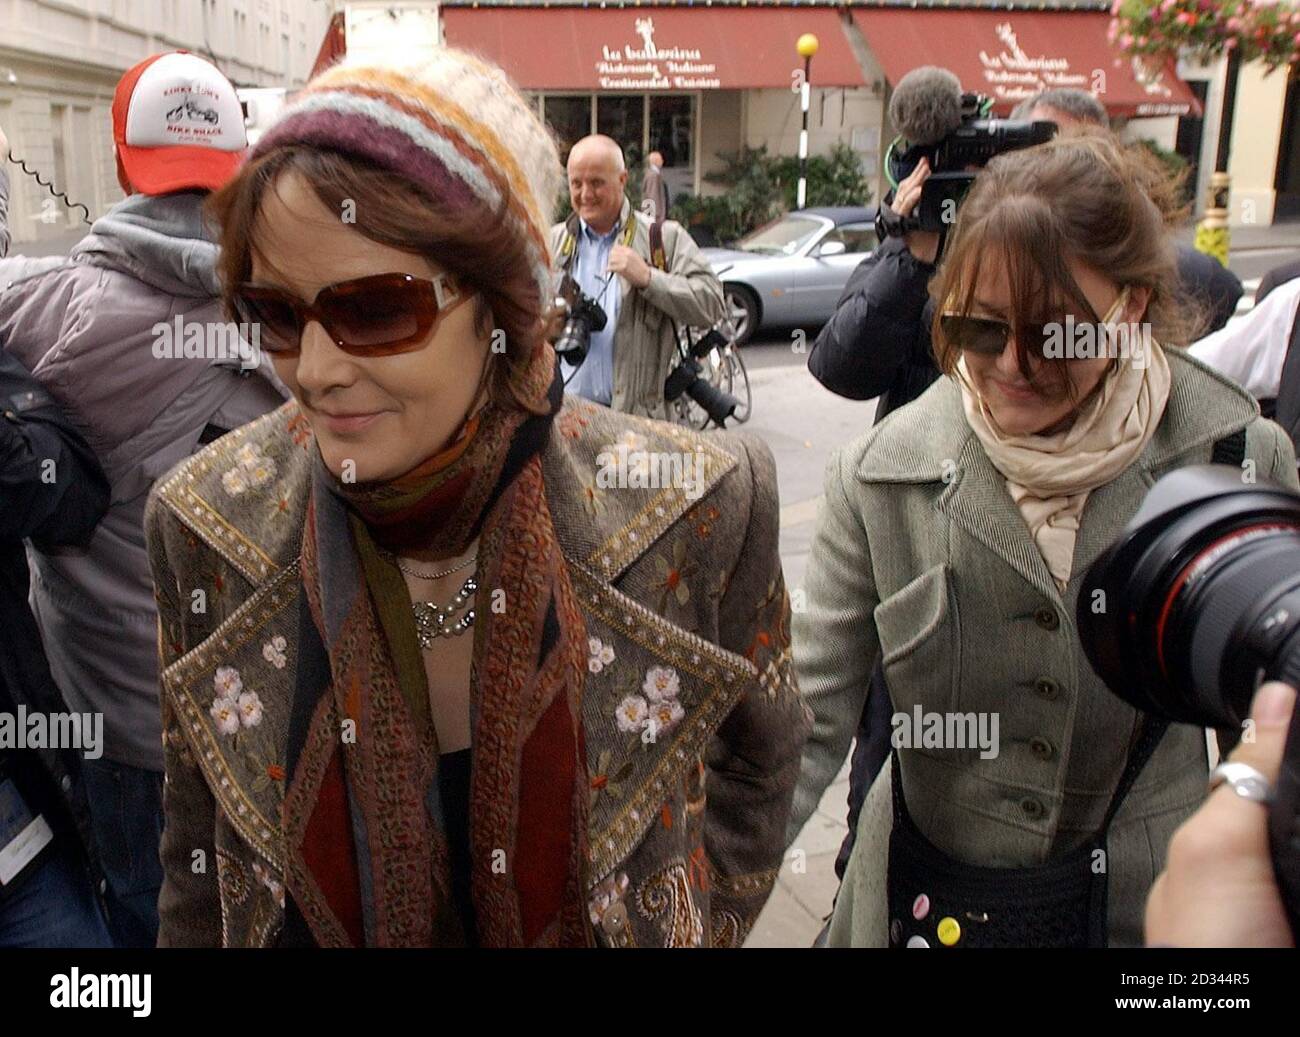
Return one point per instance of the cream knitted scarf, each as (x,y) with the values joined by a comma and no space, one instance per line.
(1050,476)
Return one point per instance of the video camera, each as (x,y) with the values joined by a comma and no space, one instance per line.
(955,132)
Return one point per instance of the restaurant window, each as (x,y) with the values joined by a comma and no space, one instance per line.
(623,119)
(569,117)
(672,134)
(58,115)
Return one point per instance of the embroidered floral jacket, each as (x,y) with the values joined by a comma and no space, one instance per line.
(693,724)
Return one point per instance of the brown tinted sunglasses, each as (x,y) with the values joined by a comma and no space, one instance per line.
(382,315)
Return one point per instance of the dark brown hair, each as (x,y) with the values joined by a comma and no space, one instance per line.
(1081,196)
(479,246)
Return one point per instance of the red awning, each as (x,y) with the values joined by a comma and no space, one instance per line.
(1011,55)
(333,47)
(653,48)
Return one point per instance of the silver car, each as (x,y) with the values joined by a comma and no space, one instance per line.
(790,272)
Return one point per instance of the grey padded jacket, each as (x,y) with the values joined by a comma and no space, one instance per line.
(85,326)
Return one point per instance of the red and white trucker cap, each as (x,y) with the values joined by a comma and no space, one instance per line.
(177,125)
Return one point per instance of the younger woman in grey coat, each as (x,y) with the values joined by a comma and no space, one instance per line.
(955,534)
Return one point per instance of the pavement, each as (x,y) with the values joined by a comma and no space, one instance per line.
(803,424)
(1247,239)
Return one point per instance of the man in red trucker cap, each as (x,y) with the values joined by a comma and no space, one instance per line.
(177,125)
(127,334)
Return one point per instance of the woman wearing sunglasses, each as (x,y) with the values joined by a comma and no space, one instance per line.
(1024,804)
(446,663)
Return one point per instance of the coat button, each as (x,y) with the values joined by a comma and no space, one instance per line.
(1041,747)
(1046,688)
(65,783)
(1047,618)
(1032,807)
(614,921)
(103,886)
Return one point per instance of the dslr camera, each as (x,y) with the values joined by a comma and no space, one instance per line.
(1197,604)
(584,315)
(688,377)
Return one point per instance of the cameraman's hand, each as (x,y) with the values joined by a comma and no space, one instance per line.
(1218,888)
(923,244)
(626,261)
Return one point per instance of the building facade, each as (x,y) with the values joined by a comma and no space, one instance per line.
(61,59)
(698,78)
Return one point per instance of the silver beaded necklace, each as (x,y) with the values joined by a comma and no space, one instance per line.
(433,621)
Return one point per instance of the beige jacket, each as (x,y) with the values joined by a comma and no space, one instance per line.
(645,347)
(922,560)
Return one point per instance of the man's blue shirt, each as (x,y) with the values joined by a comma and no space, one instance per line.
(595,377)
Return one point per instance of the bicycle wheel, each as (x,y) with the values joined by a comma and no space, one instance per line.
(738,385)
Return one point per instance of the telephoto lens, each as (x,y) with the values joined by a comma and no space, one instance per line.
(1198,601)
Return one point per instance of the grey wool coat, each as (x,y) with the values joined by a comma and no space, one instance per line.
(685,830)
(921,559)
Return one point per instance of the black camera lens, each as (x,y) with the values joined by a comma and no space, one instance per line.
(586,316)
(686,378)
(1198,601)
(574,340)
(717,403)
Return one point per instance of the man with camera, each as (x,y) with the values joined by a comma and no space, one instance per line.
(877,343)
(628,282)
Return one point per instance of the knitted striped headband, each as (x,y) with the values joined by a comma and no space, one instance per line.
(454,124)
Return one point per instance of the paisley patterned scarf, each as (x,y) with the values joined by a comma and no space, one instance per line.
(366,854)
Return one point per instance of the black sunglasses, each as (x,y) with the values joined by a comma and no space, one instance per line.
(988,336)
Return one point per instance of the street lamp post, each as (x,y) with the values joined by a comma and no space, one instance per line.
(807,47)
(1213,234)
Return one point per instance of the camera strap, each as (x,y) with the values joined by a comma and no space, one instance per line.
(658,257)
(1150,733)
(573,227)
(1230,450)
